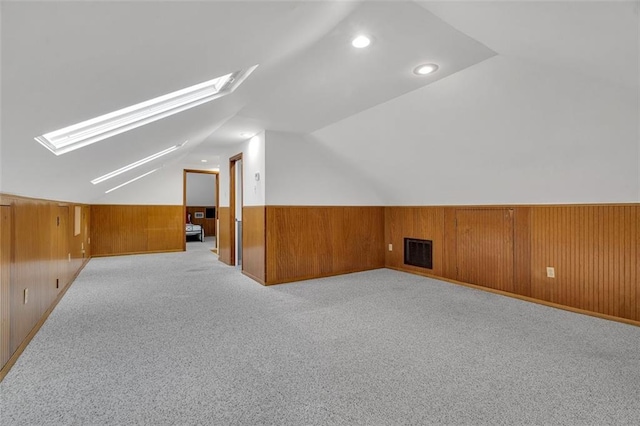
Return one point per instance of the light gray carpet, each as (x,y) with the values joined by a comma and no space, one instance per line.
(179,338)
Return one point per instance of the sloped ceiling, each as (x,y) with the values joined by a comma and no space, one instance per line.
(64,62)
(589,38)
(553,118)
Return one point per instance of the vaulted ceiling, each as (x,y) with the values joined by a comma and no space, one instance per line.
(65,62)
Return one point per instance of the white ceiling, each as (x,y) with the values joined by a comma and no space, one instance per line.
(591,38)
(64,62)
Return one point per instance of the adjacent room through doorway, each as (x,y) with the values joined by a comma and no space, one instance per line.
(201,207)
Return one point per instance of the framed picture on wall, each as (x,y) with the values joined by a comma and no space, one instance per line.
(198,215)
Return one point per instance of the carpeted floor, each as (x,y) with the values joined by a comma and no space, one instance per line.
(180,338)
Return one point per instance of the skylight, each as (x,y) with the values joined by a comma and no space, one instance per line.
(132,180)
(137,163)
(111,124)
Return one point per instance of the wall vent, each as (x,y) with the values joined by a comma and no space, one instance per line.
(418,253)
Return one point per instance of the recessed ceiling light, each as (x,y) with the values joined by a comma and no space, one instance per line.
(246,134)
(361,41)
(203,161)
(425,69)
(111,124)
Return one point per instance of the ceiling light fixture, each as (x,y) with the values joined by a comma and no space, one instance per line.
(361,41)
(203,161)
(425,69)
(137,163)
(132,180)
(111,124)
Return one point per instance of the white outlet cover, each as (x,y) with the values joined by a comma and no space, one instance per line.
(551,272)
(390,247)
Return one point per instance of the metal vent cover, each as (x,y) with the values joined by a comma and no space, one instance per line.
(418,253)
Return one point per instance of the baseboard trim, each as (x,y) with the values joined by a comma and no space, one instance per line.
(14,357)
(525,298)
(253,277)
(313,277)
(137,252)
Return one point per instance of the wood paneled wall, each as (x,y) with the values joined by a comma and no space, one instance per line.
(485,251)
(5,277)
(424,223)
(311,242)
(44,257)
(224,239)
(594,250)
(130,229)
(254,242)
(209,225)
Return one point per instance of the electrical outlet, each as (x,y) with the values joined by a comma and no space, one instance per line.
(69,257)
(82,246)
(26,295)
(390,247)
(551,272)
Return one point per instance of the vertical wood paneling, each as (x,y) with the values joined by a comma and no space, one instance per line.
(126,229)
(310,242)
(485,248)
(425,223)
(450,244)
(5,277)
(209,225)
(39,254)
(34,265)
(224,239)
(166,227)
(62,268)
(254,242)
(594,250)
(522,251)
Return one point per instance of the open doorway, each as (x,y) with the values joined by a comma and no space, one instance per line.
(200,201)
(235,203)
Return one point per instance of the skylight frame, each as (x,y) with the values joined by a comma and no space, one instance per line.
(137,163)
(107,125)
(131,181)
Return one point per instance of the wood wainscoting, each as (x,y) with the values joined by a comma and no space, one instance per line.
(224,237)
(311,242)
(41,255)
(6,251)
(594,250)
(415,222)
(133,229)
(254,242)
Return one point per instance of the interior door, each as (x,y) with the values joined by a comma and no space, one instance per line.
(235,208)
(485,250)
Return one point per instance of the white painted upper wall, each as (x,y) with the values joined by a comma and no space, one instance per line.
(163,187)
(303,171)
(201,189)
(253,162)
(501,132)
